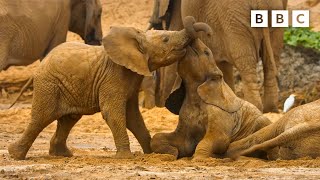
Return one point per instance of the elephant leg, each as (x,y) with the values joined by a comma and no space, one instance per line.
(18,150)
(215,142)
(148,87)
(247,68)
(136,124)
(166,143)
(271,94)
(227,70)
(115,115)
(58,146)
(4,50)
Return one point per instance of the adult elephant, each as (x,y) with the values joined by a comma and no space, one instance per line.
(31,29)
(233,43)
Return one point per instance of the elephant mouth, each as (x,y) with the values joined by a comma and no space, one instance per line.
(91,39)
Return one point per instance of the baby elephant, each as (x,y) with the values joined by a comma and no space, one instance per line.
(211,116)
(77,79)
(295,135)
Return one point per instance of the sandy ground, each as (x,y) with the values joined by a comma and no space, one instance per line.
(93,147)
(92,142)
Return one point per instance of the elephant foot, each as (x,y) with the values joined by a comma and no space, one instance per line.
(62,150)
(161,145)
(17,152)
(147,150)
(199,158)
(124,155)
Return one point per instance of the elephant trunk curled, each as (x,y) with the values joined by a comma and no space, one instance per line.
(192,27)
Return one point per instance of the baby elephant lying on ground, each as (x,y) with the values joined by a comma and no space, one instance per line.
(211,116)
(295,135)
(77,79)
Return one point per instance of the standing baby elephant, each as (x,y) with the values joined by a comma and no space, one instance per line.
(295,135)
(211,116)
(77,79)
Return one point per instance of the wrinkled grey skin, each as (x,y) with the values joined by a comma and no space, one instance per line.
(234,43)
(29,30)
(211,116)
(77,79)
(293,136)
(162,18)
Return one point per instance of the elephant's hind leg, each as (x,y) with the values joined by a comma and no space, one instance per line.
(136,125)
(214,143)
(18,150)
(58,146)
(251,89)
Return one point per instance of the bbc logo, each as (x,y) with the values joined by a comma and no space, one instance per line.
(280,18)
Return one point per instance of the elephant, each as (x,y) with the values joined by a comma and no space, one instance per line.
(234,43)
(148,87)
(295,135)
(29,30)
(211,116)
(158,21)
(76,79)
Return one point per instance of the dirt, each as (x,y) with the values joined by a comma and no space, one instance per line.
(92,142)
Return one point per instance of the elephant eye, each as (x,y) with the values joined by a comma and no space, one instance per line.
(165,39)
(215,77)
(206,52)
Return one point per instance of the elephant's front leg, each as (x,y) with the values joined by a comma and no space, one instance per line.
(166,143)
(215,142)
(114,113)
(136,124)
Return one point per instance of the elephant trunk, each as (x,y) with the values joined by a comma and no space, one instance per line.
(192,27)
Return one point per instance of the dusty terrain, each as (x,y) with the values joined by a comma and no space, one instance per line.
(92,142)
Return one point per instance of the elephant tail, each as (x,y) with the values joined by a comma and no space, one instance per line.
(29,82)
(267,47)
(292,134)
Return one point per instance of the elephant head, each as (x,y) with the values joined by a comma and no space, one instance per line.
(144,52)
(86,20)
(198,68)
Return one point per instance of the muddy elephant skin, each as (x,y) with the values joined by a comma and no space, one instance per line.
(295,135)
(76,79)
(211,116)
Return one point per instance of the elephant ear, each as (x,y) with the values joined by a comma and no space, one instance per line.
(125,47)
(218,93)
(175,100)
